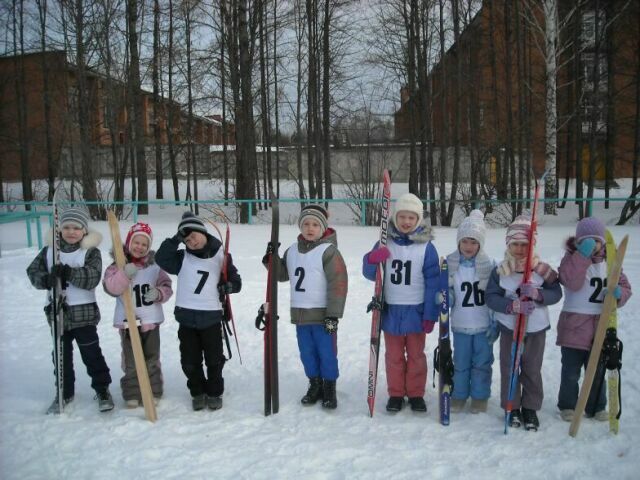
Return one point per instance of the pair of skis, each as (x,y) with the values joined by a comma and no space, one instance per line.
(58,298)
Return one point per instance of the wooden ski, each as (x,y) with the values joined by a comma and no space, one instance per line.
(608,306)
(136,345)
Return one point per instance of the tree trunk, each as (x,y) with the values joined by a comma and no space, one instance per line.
(551,107)
(326,99)
(156,98)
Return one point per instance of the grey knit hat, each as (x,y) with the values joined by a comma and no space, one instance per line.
(317,212)
(191,223)
(77,215)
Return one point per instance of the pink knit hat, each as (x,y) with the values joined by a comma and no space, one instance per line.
(590,227)
(519,230)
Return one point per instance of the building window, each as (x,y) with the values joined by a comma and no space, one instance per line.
(590,74)
(588,34)
(594,105)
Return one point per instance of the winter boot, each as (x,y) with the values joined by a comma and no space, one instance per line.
(314,393)
(395,404)
(105,401)
(457,405)
(417,404)
(329,399)
(214,403)
(133,403)
(567,415)
(515,420)
(601,416)
(53,408)
(478,406)
(198,402)
(530,417)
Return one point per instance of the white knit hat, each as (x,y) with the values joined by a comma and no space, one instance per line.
(473,227)
(408,203)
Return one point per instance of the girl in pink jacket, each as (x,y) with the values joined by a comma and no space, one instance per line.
(583,273)
(150,287)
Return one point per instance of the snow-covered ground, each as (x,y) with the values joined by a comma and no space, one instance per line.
(238,441)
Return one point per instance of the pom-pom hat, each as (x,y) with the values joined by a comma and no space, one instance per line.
(191,223)
(590,227)
(317,212)
(408,203)
(473,227)
(139,229)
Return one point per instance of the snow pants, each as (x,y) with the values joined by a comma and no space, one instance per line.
(472,359)
(194,346)
(406,364)
(318,351)
(573,361)
(151,348)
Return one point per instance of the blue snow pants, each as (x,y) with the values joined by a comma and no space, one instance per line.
(318,351)
(472,360)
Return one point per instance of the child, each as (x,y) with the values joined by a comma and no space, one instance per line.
(583,272)
(410,287)
(79,271)
(508,297)
(150,287)
(318,278)
(198,308)
(469,270)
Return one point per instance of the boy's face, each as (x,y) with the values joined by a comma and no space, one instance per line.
(311,229)
(469,247)
(195,240)
(518,250)
(139,246)
(406,221)
(72,233)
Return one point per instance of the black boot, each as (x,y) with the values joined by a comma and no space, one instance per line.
(314,393)
(530,418)
(515,420)
(329,399)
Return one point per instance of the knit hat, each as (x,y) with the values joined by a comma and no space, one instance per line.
(191,223)
(317,212)
(590,227)
(139,229)
(473,227)
(408,203)
(78,216)
(519,230)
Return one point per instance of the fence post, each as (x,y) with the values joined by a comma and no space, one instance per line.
(250,221)
(135,211)
(363,213)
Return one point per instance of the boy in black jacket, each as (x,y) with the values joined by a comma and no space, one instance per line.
(198,309)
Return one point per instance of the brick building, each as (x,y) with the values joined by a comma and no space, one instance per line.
(64,128)
(490,103)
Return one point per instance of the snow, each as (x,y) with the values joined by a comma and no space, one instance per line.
(239,441)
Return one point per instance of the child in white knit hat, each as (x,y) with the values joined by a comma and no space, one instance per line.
(410,287)
(469,270)
(508,297)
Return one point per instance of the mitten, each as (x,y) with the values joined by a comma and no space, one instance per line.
(586,247)
(179,237)
(379,255)
(49,281)
(152,295)
(427,326)
(225,288)
(524,307)
(147,327)
(439,298)
(63,272)
(530,291)
(130,270)
(331,325)
(617,292)
(492,332)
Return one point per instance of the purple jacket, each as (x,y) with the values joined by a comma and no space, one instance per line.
(576,330)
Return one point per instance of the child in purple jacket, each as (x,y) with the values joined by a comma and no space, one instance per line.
(150,288)
(583,273)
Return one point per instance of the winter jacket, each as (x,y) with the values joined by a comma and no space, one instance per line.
(576,330)
(335,271)
(86,277)
(404,319)
(169,257)
(498,300)
(115,282)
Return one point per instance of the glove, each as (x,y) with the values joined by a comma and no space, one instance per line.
(152,295)
(331,325)
(524,307)
(530,291)
(225,288)
(586,247)
(379,255)
(439,298)
(427,326)
(270,250)
(130,270)
(617,292)
(49,280)
(63,272)
(492,332)
(179,237)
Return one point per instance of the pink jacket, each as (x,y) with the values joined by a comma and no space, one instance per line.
(115,282)
(576,330)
